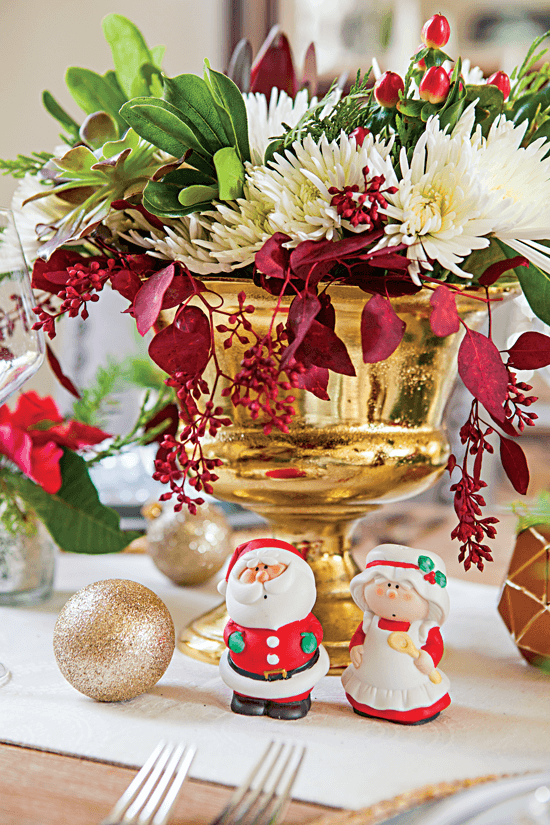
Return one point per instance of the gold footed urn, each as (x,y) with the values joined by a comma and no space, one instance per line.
(379,439)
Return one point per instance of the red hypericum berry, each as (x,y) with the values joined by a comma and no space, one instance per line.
(434,86)
(501,81)
(436,32)
(360,134)
(387,88)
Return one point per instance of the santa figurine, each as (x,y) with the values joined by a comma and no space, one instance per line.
(396,649)
(274,655)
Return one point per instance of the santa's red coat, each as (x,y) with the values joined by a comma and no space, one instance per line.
(283,644)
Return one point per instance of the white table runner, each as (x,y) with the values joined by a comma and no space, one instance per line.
(498,722)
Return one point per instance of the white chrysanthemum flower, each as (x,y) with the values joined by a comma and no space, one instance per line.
(472,75)
(266,122)
(237,230)
(438,210)
(518,180)
(179,242)
(299,183)
(44,211)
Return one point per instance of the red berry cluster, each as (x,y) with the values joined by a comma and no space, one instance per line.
(82,285)
(362,208)
(259,385)
(517,399)
(471,529)
(184,460)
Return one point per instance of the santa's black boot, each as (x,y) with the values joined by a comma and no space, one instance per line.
(248,706)
(289,710)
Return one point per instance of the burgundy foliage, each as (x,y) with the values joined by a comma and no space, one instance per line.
(274,66)
(444,319)
(482,371)
(493,272)
(531,351)
(382,330)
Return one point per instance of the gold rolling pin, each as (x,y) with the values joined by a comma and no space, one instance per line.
(403,643)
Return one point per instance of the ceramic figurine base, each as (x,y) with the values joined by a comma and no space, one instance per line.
(395,651)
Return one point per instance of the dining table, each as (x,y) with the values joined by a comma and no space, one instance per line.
(65,758)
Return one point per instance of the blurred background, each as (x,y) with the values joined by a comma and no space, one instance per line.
(40,40)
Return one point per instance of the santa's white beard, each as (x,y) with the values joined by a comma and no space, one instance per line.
(287,598)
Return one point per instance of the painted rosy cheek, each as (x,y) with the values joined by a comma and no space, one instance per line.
(407,597)
(379,591)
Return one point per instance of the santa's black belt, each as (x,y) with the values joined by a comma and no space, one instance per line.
(274,675)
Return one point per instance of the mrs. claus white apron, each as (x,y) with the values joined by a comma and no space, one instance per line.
(389,684)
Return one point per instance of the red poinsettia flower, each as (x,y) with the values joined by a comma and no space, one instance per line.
(33,434)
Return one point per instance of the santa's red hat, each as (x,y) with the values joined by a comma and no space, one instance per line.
(257,545)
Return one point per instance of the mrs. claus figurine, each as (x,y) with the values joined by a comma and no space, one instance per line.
(274,656)
(397,647)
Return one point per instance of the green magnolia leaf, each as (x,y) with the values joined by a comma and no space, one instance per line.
(231,108)
(162,197)
(451,115)
(94,94)
(535,285)
(157,55)
(194,195)
(74,516)
(55,110)
(129,51)
(410,108)
(192,96)
(161,124)
(230,173)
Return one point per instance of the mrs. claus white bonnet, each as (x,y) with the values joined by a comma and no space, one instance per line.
(422,570)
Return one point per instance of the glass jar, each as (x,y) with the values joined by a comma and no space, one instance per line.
(27,560)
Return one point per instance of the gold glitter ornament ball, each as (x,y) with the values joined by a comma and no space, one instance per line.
(187,548)
(113,640)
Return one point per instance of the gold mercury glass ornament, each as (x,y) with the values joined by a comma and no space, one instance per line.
(188,549)
(113,640)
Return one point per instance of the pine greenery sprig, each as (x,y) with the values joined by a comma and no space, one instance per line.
(25,164)
(531,514)
(524,77)
(348,112)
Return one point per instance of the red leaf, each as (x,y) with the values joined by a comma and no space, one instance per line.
(314,380)
(63,379)
(301,314)
(530,352)
(444,319)
(127,282)
(381,330)
(274,66)
(493,272)
(273,259)
(182,287)
(185,345)
(515,464)
(152,219)
(322,348)
(148,301)
(482,371)
(309,73)
(51,275)
(505,424)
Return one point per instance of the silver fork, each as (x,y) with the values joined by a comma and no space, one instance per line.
(264,794)
(150,797)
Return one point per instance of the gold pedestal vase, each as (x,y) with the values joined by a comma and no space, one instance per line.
(379,439)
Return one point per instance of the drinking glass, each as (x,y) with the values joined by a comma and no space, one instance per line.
(21,347)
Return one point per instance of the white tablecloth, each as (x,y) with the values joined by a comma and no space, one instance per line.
(499,719)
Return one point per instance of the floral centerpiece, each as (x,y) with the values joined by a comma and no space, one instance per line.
(437,181)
